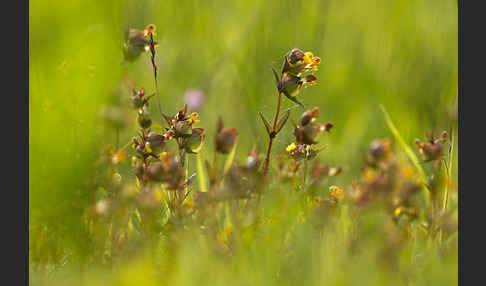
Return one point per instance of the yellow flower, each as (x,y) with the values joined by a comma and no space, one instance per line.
(308,57)
(398,211)
(291,147)
(193,118)
(336,192)
(149,30)
(163,155)
(311,61)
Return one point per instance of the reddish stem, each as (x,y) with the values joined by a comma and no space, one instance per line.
(267,159)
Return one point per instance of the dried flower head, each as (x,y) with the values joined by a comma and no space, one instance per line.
(431,150)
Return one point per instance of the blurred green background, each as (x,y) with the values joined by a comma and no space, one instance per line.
(402,54)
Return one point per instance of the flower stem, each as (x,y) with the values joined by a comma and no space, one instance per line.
(267,159)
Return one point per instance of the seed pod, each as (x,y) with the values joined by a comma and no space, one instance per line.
(311,133)
(225,140)
(308,116)
(193,143)
(156,142)
(167,171)
(143,118)
(290,85)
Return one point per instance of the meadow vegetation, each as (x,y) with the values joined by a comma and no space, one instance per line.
(243,143)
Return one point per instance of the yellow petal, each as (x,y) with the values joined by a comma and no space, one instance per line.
(291,147)
(147,147)
(398,211)
(308,58)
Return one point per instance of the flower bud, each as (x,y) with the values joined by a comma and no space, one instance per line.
(157,142)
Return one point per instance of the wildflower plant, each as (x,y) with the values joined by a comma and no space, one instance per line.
(289,83)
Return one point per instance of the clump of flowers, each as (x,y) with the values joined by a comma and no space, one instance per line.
(389,182)
(307,134)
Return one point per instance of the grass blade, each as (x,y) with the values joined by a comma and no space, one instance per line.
(200,171)
(408,151)
(229,159)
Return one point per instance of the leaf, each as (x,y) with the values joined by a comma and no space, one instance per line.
(282,121)
(277,80)
(294,99)
(285,65)
(267,125)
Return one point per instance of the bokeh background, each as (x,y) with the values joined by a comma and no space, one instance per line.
(402,54)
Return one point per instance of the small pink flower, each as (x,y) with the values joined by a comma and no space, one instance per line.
(194,98)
